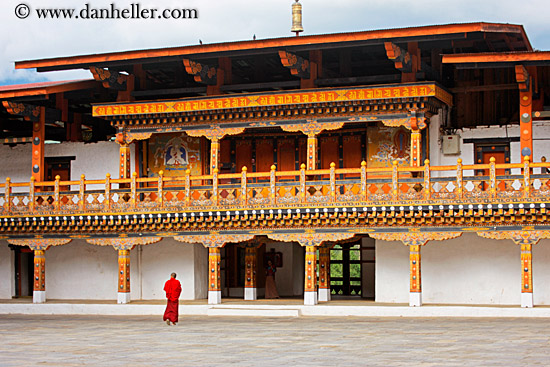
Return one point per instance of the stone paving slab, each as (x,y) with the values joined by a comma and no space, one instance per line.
(30,340)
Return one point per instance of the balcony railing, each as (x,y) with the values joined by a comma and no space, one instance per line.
(391,186)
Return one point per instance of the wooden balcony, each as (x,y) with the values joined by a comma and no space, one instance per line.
(426,196)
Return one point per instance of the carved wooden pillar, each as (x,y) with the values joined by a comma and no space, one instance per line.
(415,281)
(214,281)
(214,155)
(525,84)
(38,137)
(124,157)
(39,246)
(414,240)
(311,152)
(39,288)
(324,274)
(310,283)
(123,276)
(416,124)
(250,285)
(310,241)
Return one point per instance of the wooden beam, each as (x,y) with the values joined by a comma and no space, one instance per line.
(298,65)
(484,88)
(202,73)
(109,78)
(401,58)
(498,57)
(522,77)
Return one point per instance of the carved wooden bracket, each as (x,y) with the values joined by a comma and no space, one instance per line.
(215,239)
(29,112)
(202,73)
(109,78)
(40,244)
(126,243)
(311,238)
(401,58)
(312,127)
(298,65)
(131,136)
(215,132)
(416,121)
(523,78)
(519,237)
(415,238)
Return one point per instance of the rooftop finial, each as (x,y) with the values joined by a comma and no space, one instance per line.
(297,18)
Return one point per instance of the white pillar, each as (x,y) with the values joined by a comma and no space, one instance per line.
(415,299)
(214,297)
(39,296)
(310,298)
(250,294)
(123,297)
(324,294)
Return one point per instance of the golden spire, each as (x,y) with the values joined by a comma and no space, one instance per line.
(297,18)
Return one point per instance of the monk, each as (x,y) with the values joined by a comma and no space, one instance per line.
(173,291)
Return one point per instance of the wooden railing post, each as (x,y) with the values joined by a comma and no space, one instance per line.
(492,177)
(333,182)
(272,185)
(459,179)
(160,189)
(244,189)
(303,182)
(187,187)
(56,202)
(526,177)
(364,180)
(395,181)
(81,190)
(427,180)
(31,194)
(133,188)
(107,191)
(7,195)
(215,187)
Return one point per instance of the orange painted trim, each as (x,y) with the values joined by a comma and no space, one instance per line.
(496,57)
(30,91)
(275,99)
(276,43)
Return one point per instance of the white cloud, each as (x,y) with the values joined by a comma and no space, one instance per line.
(222,20)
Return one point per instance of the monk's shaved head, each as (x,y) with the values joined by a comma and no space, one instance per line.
(173,275)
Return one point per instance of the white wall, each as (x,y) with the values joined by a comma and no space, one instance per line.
(465,270)
(168,256)
(7,272)
(94,160)
(79,270)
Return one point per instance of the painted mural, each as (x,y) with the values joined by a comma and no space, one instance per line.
(174,154)
(388,144)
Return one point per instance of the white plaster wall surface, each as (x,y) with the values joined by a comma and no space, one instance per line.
(392,272)
(94,160)
(471,270)
(6,271)
(298,268)
(163,258)
(541,273)
(80,270)
(201,271)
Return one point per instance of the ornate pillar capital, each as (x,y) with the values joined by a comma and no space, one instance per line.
(123,243)
(215,239)
(415,238)
(40,244)
(525,237)
(310,238)
(215,132)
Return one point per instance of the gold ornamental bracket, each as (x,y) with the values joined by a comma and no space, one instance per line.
(40,244)
(125,243)
(215,239)
(312,127)
(526,237)
(415,238)
(414,122)
(215,133)
(311,238)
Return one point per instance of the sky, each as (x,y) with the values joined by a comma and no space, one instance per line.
(231,20)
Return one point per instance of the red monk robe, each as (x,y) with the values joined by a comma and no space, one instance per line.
(173,291)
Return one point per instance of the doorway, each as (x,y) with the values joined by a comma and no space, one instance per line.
(24,271)
(345,270)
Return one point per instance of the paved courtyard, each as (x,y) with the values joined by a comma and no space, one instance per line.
(36,340)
